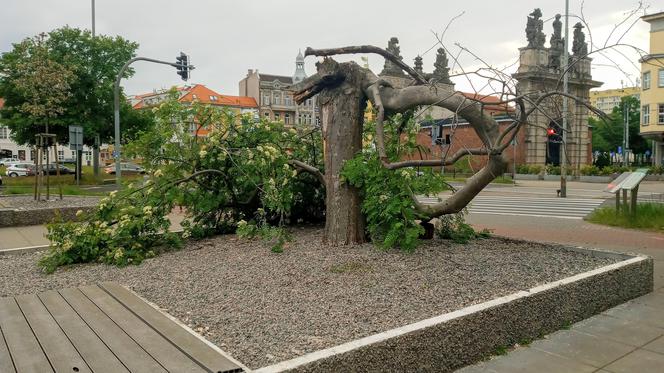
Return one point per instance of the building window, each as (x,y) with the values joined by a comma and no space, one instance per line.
(660,114)
(646,80)
(213,98)
(194,97)
(266,114)
(61,155)
(4,132)
(277,117)
(645,115)
(660,78)
(266,98)
(277,98)
(288,100)
(286,118)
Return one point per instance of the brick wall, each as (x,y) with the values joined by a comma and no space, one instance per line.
(465,137)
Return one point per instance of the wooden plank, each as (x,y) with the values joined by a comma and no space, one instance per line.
(6,363)
(95,353)
(169,356)
(187,342)
(123,347)
(26,353)
(60,352)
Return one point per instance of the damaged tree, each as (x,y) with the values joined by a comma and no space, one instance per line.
(344,90)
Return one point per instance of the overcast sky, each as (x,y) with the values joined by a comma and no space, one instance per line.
(225,38)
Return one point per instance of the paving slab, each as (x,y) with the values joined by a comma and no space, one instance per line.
(583,347)
(656,346)
(629,332)
(639,361)
(654,299)
(638,312)
(528,360)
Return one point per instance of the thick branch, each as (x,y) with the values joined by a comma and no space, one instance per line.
(435,162)
(368,49)
(463,196)
(308,168)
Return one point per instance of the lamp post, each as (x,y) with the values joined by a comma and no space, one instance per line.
(563,156)
(183,70)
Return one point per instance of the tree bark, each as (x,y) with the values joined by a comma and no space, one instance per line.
(342,103)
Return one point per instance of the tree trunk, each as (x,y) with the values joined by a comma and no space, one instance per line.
(342,109)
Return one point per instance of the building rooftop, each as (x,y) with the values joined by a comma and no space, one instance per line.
(199,93)
(653,17)
(281,78)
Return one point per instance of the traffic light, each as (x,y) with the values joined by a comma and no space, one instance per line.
(554,133)
(183,66)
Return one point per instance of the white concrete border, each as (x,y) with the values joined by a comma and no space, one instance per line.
(380,337)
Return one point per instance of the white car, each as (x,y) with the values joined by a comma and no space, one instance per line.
(7,161)
(20,169)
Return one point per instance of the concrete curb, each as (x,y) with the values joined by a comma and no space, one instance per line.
(21,250)
(453,340)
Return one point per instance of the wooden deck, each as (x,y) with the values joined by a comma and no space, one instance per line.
(104,328)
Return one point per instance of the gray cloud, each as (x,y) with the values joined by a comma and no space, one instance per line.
(225,38)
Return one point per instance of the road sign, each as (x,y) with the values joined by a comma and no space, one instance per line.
(620,150)
(75,137)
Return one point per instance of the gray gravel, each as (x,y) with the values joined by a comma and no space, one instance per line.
(263,307)
(27,202)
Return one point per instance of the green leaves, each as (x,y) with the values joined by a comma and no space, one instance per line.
(387,195)
(239,173)
(65,77)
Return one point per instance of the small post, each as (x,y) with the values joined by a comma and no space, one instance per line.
(57,168)
(48,169)
(624,198)
(634,195)
(36,166)
(618,201)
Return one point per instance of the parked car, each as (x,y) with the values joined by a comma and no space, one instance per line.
(20,169)
(52,170)
(7,161)
(125,168)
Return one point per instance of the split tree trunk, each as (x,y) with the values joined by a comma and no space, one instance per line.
(342,113)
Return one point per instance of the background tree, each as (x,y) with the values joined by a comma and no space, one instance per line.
(94,63)
(608,132)
(43,83)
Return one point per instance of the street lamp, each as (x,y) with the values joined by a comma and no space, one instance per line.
(563,156)
(183,67)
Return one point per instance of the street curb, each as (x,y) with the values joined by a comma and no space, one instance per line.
(21,250)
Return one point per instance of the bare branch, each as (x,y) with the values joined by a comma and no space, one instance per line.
(368,49)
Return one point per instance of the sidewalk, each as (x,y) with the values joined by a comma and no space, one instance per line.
(34,235)
(626,338)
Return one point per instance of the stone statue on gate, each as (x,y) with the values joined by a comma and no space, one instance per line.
(534,28)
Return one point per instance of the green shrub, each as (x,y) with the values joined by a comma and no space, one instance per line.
(589,170)
(656,170)
(531,169)
(552,170)
(455,228)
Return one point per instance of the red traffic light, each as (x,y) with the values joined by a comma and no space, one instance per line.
(550,132)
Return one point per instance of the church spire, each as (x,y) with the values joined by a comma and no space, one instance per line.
(299,75)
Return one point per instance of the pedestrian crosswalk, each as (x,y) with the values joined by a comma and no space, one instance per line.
(562,208)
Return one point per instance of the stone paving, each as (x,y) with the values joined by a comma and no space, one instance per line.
(627,338)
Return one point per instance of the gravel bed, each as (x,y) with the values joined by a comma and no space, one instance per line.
(27,202)
(263,307)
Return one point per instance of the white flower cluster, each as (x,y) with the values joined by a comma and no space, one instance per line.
(268,151)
